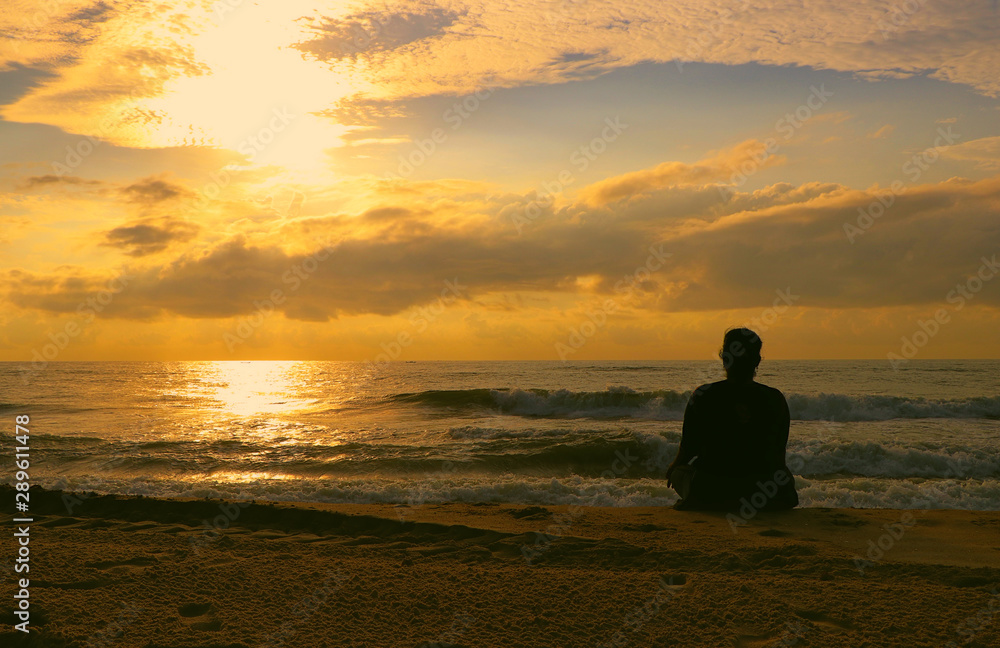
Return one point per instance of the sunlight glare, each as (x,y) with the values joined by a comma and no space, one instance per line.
(256,388)
(257,98)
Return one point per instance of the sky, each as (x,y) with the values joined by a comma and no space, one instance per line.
(542,180)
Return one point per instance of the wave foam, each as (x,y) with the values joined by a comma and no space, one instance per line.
(409,494)
(624,402)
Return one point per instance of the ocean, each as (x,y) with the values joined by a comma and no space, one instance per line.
(416,433)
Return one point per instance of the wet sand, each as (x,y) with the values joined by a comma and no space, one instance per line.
(204,573)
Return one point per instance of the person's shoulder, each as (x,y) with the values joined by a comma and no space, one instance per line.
(708,387)
(771,392)
(775,391)
(704,391)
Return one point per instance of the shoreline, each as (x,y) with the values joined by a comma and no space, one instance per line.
(172,572)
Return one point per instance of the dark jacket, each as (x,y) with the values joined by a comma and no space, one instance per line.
(738,432)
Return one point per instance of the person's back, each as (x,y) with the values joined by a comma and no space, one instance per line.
(734,437)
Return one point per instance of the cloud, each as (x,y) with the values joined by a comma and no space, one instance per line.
(149,237)
(154,190)
(106,61)
(49,180)
(372,31)
(883,132)
(914,254)
(985,151)
(726,252)
(46,35)
(546,42)
(361,110)
(116,80)
(17,80)
(96,13)
(718,167)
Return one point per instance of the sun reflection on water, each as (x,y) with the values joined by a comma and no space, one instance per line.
(259,388)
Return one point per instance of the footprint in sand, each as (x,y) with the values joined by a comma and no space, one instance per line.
(198,617)
(787,636)
(675,580)
(758,641)
(793,630)
(825,620)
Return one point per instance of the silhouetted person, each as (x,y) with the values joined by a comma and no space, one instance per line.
(732,451)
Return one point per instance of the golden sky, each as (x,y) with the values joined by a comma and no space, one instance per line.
(561,179)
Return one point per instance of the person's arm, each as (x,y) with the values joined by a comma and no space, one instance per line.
(691,434)
(787,498)
(783,424)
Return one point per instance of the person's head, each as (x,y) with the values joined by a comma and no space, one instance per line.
(740,353)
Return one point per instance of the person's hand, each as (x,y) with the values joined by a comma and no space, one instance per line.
(670,470)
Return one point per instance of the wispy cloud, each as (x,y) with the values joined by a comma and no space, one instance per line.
(882,132)
(985,152)
(107,79)
(718,167)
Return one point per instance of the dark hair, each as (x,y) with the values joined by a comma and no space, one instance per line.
(740,353)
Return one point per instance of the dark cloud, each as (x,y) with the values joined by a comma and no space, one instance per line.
(18,80)
(145,238)
(373,31)
(154,190)
(83,26)
(51,180)
(580,66)
(726,252)
(96,13)
(930,239)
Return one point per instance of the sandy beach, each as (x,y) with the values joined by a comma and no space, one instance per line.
(123,571)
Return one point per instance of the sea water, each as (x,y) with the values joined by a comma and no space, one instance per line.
(590,433)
